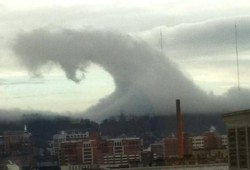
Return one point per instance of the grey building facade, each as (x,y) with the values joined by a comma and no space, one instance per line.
(238,128)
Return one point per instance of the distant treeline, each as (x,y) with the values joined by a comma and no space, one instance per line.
(149,127)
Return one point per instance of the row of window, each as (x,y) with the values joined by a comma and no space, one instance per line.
(239,147)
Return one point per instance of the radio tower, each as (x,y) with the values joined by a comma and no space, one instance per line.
(237,57)
(161,42)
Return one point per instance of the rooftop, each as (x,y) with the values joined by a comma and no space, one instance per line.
(236,113)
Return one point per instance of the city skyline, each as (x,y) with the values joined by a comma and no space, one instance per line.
(198,37)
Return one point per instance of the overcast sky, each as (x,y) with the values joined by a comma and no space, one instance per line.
(197,36)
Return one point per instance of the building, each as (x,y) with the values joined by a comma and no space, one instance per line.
(212,140)
(170,147)
(238,128)
(17,148)
(179,132)
(210,156)
(16,142)
(126,152)
(67,136)
(198,142)
(2,147)
(224,141)
(210,147)
(147,158)
(92,153)
(209,140)
(12,166)
(77,155)
(157,150)
(70,153)
(187,141)
(100,149)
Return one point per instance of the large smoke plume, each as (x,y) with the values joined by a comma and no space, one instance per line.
(145,80)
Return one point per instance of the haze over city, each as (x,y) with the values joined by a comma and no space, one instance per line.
(100,58)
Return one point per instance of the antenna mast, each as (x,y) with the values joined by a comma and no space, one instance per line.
(161,41)
(237,57)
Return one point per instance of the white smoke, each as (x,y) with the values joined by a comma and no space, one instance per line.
(146,81)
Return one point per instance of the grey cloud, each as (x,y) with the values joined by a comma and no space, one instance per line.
(210,38)
(11,114)
(146,82)
(212,64)
(18,114)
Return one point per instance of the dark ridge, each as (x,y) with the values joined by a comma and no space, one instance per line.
(160,125)
(149,127)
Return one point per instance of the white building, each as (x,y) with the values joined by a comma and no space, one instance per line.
(224,140)
(12,166)
(87,151)
(198,142)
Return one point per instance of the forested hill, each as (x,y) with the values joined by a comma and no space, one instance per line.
(160,125)
(148,126)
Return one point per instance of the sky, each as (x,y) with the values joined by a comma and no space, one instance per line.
(198,40)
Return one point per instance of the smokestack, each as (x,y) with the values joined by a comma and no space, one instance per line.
(180,146)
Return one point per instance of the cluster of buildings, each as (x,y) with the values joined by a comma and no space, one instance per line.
(77,150)
(85,150)
(209,147)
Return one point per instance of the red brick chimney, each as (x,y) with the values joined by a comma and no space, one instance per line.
(180,146)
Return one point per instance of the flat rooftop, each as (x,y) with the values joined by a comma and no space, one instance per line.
(237,119)
(237,113)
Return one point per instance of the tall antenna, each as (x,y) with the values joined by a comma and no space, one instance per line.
(161,41)
(237,57)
